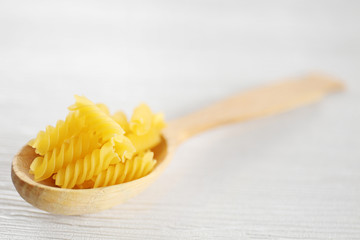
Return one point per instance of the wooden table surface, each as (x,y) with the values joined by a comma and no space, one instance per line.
(291,176)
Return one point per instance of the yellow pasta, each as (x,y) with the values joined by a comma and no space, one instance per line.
(55,136)
(121,172)
(93,148)
(158,121)
(150,138)
(147,141)
(121,119)
(74,148)
(140,122)
(124,148)
(103,108)
(98,121)
(77,172)
(86,185)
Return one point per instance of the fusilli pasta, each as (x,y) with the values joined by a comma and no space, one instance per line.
(98,121)
(150,138)
(92,148)
(77,172)
(141,119)
(103,108)
(55,136)
(74,148)
(121,119)
(121,172)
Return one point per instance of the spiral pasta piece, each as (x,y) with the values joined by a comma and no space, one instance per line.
(140,122)
(121,119)
(74,148)
(147,141)
(98,121)
(151,138)
(55,136)
(124,148)
(121,172)
(77,172)
(103,108)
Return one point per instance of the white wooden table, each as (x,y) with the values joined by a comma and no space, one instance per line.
(292,176)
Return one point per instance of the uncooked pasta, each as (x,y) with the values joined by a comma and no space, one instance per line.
(92,148)
(55,136)
(122,172)
(74,148)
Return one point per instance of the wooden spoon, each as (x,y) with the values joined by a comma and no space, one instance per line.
(263,101)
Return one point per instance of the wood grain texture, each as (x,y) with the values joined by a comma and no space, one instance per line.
(292,176)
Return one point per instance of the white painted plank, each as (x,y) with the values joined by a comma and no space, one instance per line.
(293,176)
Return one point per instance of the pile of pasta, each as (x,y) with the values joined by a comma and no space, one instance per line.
(93,148)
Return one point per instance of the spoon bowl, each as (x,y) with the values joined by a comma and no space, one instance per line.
(47,196)
(259,102)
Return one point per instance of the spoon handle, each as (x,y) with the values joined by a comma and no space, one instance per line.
(259,102)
